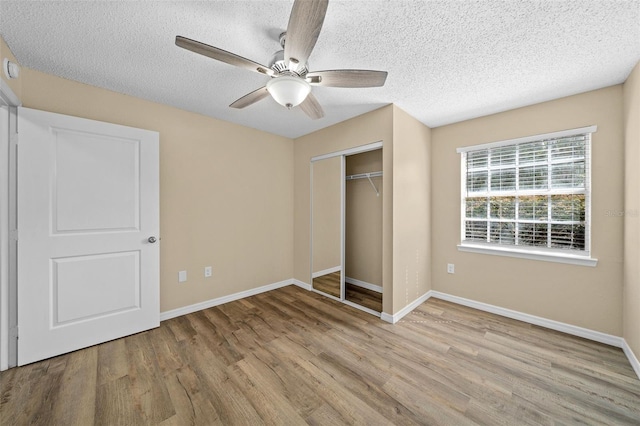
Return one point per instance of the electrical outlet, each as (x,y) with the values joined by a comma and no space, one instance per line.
(451,268)
(208,271)
(182,276)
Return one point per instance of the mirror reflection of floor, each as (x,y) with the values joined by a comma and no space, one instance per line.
(330,284)
(364,297)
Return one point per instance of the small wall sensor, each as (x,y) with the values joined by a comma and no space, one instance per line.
(11,69)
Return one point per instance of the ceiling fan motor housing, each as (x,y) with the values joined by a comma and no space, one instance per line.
(279,65)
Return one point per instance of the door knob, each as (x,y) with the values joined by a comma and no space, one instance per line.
(152,240)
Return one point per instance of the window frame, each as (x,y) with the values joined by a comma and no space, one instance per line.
(577,257)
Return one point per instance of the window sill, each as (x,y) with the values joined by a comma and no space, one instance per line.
(532,255)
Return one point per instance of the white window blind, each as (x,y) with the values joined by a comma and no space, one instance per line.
(529,193)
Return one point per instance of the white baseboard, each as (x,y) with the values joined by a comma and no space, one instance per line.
(387,317)
(302,284)
(406,310)
(363,284)
(574,330)
(224,299)
(633,360)
(326,271)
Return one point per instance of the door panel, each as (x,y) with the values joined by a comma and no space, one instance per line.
(104,283)
(96,182)
(87,203)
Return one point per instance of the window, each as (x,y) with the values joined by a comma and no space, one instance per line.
(529,195)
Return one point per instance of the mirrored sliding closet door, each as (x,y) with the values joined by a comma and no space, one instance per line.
(326,232)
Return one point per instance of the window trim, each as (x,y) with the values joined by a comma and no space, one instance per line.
(525,252)
(533,138)
(515,251)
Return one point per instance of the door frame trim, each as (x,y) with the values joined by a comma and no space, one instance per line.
(8,282)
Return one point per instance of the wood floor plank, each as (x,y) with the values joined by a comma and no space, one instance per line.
(190,401)
(148,389)
(273,407)
(431,410)
(166,347)
(370,393)
(230,403)
(351,408)
(291,356)
(78,384)
(181,327)
(285,381)
(325,416)
(355,355)
(220,321)
(45,391)
(224,344)
(15,385)
(115,405)
(112,361)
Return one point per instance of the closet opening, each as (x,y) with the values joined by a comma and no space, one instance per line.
(363,229)
(346,226)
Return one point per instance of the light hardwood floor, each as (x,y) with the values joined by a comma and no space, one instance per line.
(291,356)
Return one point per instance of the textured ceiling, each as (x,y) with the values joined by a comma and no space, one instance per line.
(447,60)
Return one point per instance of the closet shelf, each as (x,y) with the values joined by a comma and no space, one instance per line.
(366,176)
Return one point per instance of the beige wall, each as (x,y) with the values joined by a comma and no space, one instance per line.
(226,196)
(588,297)
(363,219)
(327,211)
(365,162)
(411,209)
(631,294)
(368,128)
(15,83)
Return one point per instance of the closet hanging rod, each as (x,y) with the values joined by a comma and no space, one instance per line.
(364,175)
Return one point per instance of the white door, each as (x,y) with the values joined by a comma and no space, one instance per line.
(88,223)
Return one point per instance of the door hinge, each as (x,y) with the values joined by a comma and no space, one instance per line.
(13,235)
(14,332)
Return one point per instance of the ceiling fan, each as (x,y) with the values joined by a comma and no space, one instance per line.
(291,81)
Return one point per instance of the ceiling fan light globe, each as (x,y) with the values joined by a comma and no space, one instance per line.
(288,91)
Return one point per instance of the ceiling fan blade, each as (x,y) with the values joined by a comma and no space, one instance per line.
(312,107)
(251,98)
(222,55)
(305,23)
(347,78)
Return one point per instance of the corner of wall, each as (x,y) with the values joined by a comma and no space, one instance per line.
(631,286)
(411,210)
